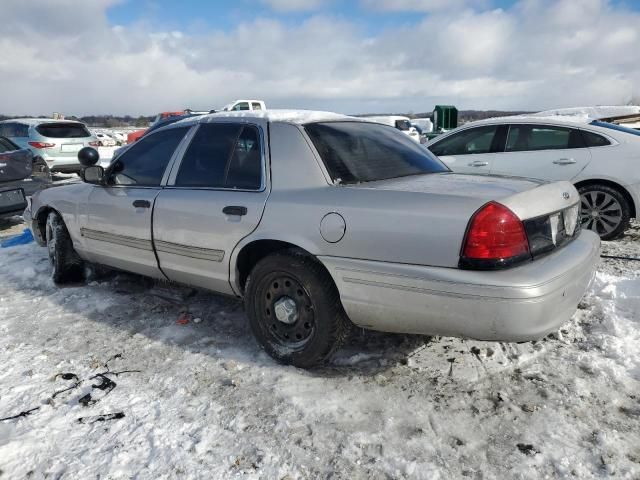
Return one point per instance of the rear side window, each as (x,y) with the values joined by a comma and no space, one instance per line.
(467,142)
(63,130)
(524,138)
(145,162)
(256,106)
(594,140)
(14,130)
(222,155)
(365,151)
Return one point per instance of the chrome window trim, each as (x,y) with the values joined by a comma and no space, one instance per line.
(263,163)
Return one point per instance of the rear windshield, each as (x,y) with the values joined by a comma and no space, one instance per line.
(63,130)
(613,126)
(364,152)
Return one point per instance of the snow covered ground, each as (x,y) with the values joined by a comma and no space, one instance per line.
(201,400)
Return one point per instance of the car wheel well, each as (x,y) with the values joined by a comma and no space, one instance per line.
(41,220)
(615,186)
(255,251)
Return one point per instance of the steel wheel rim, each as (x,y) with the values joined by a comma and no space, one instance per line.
(276,288)
(601,212)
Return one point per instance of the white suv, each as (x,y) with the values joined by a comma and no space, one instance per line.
(57,142)
(601,159)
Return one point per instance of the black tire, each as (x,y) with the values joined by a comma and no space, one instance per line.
(66,265)
(605,210)
(320,326)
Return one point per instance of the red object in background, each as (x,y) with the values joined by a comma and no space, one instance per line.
(133,136)
(184,318)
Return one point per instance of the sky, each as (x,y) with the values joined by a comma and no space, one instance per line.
(351,56)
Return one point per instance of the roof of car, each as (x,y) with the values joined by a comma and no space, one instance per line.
(37,121)
(287,116)
(534,118)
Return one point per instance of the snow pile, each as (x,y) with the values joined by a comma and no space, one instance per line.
(200,400)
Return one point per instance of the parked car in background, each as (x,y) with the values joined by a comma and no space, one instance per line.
(319,220)
(57,142)
(240,105)
(398,122)
(119,137)
(19,177)
(160,119)
(159,124)
(600,159)
(105,139)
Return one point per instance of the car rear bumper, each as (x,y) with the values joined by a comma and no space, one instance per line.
(65,163)
(518,304)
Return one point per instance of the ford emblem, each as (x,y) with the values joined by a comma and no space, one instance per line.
(566,195)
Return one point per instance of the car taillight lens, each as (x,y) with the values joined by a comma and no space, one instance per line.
(97,143)
(42,145)
(495,238)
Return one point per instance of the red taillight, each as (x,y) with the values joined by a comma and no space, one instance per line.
(97,143)
(495,237)
(42,145)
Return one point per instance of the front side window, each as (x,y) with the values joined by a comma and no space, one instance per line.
(63,130)
(467,142)
(364,152)
(524,138)
(145,162)
(241,106)
(222,155)
(403,125)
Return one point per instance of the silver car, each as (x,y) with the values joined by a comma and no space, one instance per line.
(321,221)
(57,142)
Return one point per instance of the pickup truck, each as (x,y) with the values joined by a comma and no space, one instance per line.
(321,221)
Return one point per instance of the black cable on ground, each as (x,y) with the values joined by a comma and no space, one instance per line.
(615,257)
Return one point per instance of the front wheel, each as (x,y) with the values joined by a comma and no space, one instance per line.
(294,309)
(66,265)
(605,210)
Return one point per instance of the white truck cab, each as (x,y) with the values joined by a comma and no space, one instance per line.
(239,105)
(401,123)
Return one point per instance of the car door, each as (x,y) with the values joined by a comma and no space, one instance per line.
(471,150)
(546,152)
(117,232)
(213,199)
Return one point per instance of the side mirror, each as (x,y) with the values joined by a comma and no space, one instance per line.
(93,174)
(88,156)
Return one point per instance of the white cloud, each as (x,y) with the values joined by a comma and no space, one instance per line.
(538,55)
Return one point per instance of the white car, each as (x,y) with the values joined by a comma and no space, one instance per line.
(105,140)
(601,159)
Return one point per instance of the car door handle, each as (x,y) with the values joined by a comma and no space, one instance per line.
(478,163)
(564,161)
(234,210)
(142,203)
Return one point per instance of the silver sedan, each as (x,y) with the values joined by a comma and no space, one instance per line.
(321,221)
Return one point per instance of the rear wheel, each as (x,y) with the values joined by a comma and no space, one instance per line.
(605,210)
(294,309)
(66,265)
